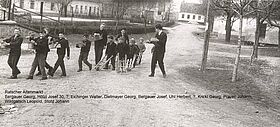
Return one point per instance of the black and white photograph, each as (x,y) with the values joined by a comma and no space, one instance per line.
(139,63)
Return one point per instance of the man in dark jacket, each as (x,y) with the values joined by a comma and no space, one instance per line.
(14,43)
(62,46)
(159,51)
(111,52)
(85,48)
(99,45)
(42,48)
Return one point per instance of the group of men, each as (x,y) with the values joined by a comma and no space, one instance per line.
(41,46)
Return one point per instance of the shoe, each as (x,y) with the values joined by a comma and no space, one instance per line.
(29,77)
(79,70)
(43,78)
(50,70)
(164,75)
(90,67)
(18,72)
(151,75)
(113,69)
(51,74)
(63,75)
(39,73)
(13,77)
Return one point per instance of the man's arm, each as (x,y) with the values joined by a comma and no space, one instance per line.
(8,40)
(18,42)
(67,48)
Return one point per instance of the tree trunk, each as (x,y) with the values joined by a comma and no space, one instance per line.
(65,10)
(236,63)
(257,39)
(206,40)
(228,27)
(211,20)
(279,38)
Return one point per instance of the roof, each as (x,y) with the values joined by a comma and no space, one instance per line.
(193,8)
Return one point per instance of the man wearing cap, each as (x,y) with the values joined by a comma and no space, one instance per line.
(159,51)
(14,43)
(100,44)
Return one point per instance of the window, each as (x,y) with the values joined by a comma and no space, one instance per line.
(199,17)
(77,9)
(94,10)
(98,11)
(188,16)
(32,4)
(52,6)
(21,4)
(81,9)
(193,17)
(183,15)
(86,10)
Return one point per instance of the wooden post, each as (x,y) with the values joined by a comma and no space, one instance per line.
(13,12)
(236,63)
(41,14)
(10,9)
(4,18)
(206,40)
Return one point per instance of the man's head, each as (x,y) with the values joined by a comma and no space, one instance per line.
(41,34)
(102,26)
(85,36)
(61,35)
(121,40)
(132,41)
(46,30)
(158,27)
(141,39)
(16,31)
(110,38)
(123,31)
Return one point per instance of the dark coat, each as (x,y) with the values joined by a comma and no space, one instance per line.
(122,49)
(160,45)
(64,47)
(42,46)
(133,50)
(111,49)
(86,48)
(15,44)
(126,38)
(103,41)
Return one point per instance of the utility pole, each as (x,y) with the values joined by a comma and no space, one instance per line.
(10,8)
(206,39)
(41,14)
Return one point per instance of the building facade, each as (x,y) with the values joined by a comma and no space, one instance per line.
(76,7)
(192,12)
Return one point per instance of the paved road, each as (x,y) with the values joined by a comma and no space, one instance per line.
(183,49)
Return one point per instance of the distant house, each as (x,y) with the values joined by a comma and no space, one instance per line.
(76,7)
(155,10)
(2,13)
(192,12)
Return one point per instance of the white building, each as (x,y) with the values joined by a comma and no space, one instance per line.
(191,17)
(79,7)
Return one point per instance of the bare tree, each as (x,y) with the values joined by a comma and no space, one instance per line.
(262,10)
(273,20)
(241,7)
(226,6)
